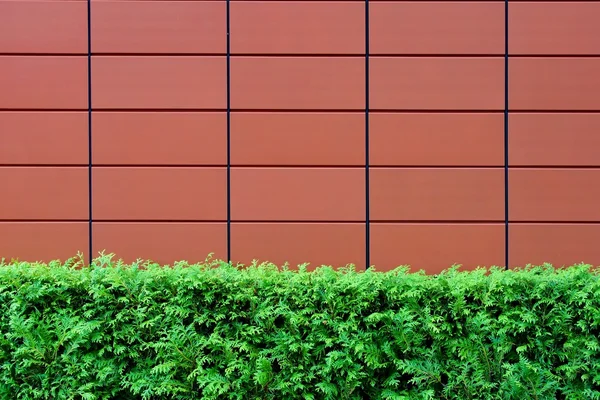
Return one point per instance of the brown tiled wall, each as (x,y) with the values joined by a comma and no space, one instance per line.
(290,119)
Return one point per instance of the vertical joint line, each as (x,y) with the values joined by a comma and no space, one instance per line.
(506,169)
(89,88)
(228,132)
(367,185)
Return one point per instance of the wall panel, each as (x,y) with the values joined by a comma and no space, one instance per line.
(169,27)
(437,194)
(554,28)
(163,242)
(43,138)
(554,194)
(298,138)
(554,139)
(159,138)
(435,247)
(43,82)
(562,83)
(297,27)
(561,244)
(55,27)
(158,82)
(436,83)
(280,83)
(159,193)
(436,139)
(336,244)
(43,241)
(297,194)
(433,27)
(44,193)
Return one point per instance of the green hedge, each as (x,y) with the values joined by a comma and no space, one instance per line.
(213,331)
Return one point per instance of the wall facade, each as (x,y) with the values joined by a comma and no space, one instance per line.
(376,133)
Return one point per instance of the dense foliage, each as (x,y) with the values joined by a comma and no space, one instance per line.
(214,331)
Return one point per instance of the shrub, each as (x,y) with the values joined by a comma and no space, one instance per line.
(216,331)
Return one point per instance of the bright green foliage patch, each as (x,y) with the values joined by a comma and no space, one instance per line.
(213,331)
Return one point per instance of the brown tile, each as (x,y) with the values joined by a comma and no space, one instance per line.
(282,83)
(554,83)
(544,28)
(437,83)
(335,245)
(546,139)
(43,241)
(428,27)
(44,193)
(44,138)
(148,138)
(557,244)
(437,194)
(270,1)
(297,194)
(297,138)
(38,82)
(164,243)
(43,27)
(155,193)
(436,247)
(159,27)
(554,194)
(436,139)
(159,82)
(297,27)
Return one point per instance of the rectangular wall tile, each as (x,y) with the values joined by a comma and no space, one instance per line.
(163,243)
(437,83)
(150,138)
(437,194)
(44,138)
(569,195)
(43,27)
(557,244)
(547,139)
(159,82)
(159,27)
(436,247)
(280,83)
(299,138)
(43,82)
(44,193)
(43,241)
(551,27)
(335,245)
(433,27)
(554,84)
(436,139)
(297,194)
(155,193)
(297,27)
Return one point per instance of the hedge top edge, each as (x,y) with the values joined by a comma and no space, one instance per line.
(77,263)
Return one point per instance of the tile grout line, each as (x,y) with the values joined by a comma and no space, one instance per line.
(90,163)
(367,182)
(506,160)
(228,73)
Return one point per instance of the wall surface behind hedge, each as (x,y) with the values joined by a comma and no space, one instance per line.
(172,129)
